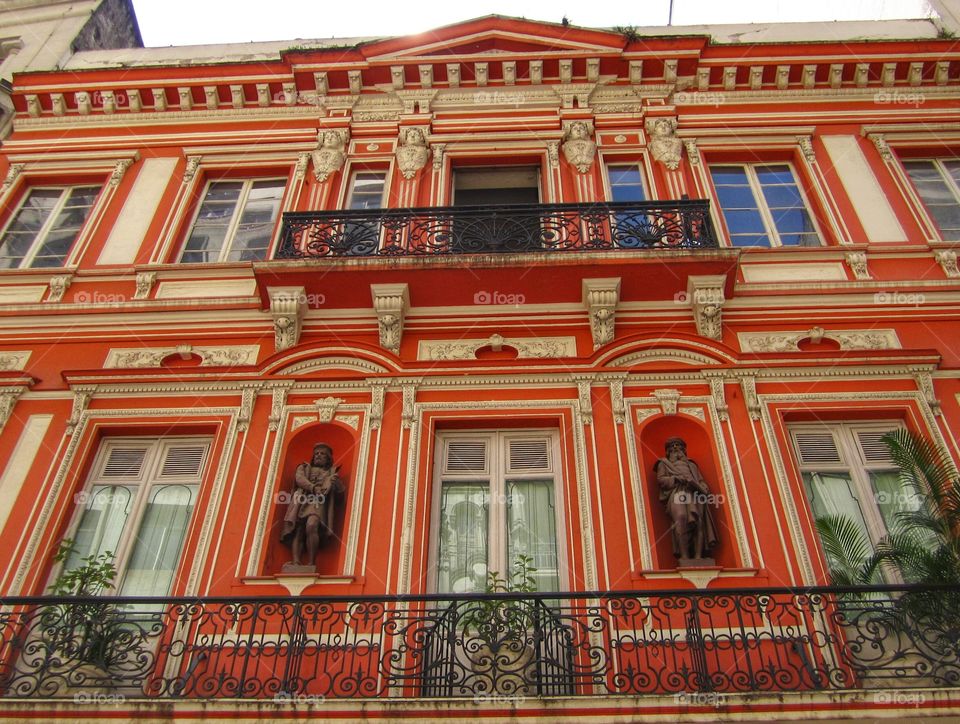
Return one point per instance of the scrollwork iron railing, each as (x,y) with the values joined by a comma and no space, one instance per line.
(633,643)
(436,231)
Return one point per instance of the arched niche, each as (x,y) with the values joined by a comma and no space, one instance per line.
(700,449)
(300,449)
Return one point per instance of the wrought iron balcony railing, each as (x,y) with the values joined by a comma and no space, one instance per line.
(714,643)
(497,229)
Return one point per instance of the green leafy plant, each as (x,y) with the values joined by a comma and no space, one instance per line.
(500,621)
(84,631)
(922,547)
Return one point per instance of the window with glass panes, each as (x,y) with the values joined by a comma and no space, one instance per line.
(235,221)
(496,499)
(138,504)
(847,471)
(938,183)
(43,229)
(626,182)
(763,205)
(366,190)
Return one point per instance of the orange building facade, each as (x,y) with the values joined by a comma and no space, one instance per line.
(494,267)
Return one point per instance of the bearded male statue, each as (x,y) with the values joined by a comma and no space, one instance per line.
(686,496)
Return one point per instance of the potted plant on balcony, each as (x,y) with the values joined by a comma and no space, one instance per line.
(498,634)
(82,639)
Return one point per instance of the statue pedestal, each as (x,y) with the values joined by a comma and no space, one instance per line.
(696,563)
(293,569)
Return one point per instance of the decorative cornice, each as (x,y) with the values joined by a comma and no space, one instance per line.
(527,347)
(144,357)
(848,339)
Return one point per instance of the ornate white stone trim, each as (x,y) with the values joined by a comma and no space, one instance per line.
(330,153)
(693,412)
(350,420)
(578,148)
(857,261)
(601,297)
(409,412)
(247,398)
(438,149)
(619,406)
(668,400)
(11,178)
(645,412)
(141,357)
(947,259)
(120,169)
(390,302)
(278,404)
(880,141)
(925,385)
(193,165)
(378,390)
(666,354)
(584,401)
(299,421)
(806,148)
(81,398)
(287,306)
(664,145)
(14,360)
(527,347)
(324,363)
(848,339)
(717,391)
(707,299)
(749,385)
(412,150)
(58,287)
(8,399)
(145,282)
(327,408)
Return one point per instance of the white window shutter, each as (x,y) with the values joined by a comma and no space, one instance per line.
(873,449)
(124,462)
(466,456)
(183,460)
(817,448)
(529,455)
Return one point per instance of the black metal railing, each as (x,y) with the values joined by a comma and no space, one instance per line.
(524,645)
(435,231)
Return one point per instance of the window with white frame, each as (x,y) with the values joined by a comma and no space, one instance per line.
(366,190)
(847,471)
(626,182)
(235,221)
(763,205)
(938,183)
(137,505)
(496,499)
(42,230)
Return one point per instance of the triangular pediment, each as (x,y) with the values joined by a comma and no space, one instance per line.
(495,36)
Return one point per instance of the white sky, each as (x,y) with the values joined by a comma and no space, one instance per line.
(189,22)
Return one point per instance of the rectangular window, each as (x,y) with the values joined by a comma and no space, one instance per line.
(366,190)
(138,504)
(763,206)
(235,221)
(496,500)
(626,183)
(848,471)
(43,229)
(938,183)
(496,186)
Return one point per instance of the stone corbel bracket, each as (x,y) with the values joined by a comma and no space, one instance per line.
(145,283)
(81,399)
(706,299)
(287,307)
(390,302)
(601,297)
(668,400)
(327,408)
(925,384)
(857,261)
(58,287)
(947,259)
(8,399)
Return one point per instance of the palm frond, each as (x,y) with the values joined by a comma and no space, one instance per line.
(848,550)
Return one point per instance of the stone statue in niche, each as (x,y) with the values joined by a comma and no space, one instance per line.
(687,499)
(317,490)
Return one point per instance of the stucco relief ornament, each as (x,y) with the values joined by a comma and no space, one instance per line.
(412,153)
(330,153)
(578,148)
(664,146)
